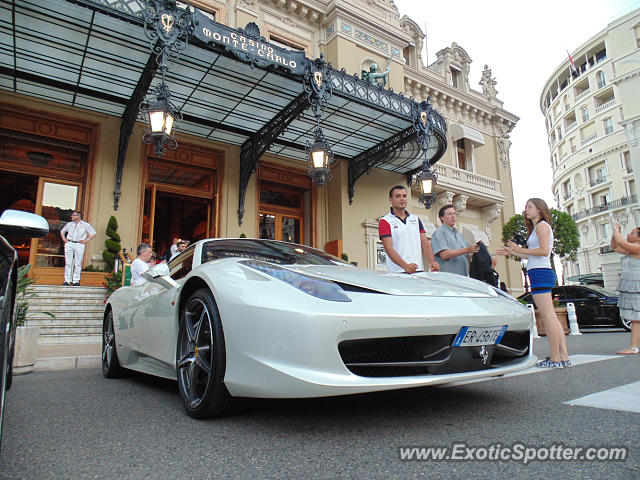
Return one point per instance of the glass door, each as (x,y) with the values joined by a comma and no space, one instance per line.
(278,226)
(57,201)
(281,213)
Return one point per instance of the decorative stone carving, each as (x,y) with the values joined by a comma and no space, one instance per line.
(445,198)
(503,143)
(622,219)
(288,21)
(460,203)
(488,83)
(490,214)
(584,229)
(247,3)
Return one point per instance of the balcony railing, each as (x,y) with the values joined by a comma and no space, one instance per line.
(582,95)
(590,138)
(470,182)
(621,202)
(598,180)
(571,127)
(604,106)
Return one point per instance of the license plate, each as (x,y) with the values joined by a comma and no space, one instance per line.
(472,336)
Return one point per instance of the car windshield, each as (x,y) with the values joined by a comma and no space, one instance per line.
(267,251)
(603,291)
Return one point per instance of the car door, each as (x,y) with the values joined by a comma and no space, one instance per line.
(156,317)
(586,306)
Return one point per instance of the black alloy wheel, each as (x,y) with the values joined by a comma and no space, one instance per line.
(201,358)
(110,364)
(624,323)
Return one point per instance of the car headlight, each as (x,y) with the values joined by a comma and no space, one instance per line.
(318,288)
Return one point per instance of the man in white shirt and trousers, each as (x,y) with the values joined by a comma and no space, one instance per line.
(75,235)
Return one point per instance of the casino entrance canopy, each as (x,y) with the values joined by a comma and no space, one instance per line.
(231,86)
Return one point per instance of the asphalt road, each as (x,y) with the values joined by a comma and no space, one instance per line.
(77,425)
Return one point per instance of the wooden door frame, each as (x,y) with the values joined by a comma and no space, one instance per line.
(49,271)
(291,178)
(194,155)
(65,131)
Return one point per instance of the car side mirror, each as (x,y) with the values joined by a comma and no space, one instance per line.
(160,274)
(23,224)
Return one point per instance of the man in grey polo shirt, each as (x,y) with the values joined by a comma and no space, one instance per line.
(450,247)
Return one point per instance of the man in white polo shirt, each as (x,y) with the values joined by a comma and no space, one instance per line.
(403,236)
(75,235)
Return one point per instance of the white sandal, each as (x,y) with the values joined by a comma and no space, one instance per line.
(634,350)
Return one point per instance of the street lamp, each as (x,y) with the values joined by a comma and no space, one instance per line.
(426,181)
(320,158)
(317,86)
(168,28)
(161,116)
(427,124)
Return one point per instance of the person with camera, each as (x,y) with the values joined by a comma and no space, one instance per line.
(537,219)
(629,287)
(450,247)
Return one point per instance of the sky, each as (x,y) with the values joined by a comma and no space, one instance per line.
(523,43)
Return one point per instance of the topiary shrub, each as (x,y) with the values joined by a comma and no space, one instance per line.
(112,243)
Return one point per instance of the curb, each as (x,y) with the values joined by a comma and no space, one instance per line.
(67,363)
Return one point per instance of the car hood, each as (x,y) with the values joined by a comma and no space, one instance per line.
(425,283)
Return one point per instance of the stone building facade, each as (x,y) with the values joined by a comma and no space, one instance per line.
(592,114)
(61,119)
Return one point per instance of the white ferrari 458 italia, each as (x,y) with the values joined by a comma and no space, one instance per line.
(233,318)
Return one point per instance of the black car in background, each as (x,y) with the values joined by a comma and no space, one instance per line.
(595,306)
(15,224)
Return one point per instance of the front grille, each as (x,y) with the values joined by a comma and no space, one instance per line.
(427,355)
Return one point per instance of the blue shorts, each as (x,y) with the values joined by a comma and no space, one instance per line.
(542,280)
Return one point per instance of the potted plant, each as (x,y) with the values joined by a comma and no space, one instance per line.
(561,313)
(26,352)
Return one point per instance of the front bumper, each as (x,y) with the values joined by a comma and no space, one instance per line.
(297,352)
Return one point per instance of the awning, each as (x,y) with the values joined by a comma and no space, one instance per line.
(462,131)
(94,54)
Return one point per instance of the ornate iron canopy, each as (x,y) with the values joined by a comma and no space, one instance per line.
(231,85)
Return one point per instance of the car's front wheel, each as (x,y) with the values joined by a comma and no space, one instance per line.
(110,364)
(201,358)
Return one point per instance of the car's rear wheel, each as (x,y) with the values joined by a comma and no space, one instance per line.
(201,358)
(110,364)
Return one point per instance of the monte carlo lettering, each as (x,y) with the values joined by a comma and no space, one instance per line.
(250,48)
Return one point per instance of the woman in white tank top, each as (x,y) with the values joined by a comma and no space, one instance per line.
(542,277)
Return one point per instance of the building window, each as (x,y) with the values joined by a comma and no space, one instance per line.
(626,162)
(463,156)
(585,114)
(608,126)
(605,229)
(637,31)
(455,77)
(566,190)
(600,79)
